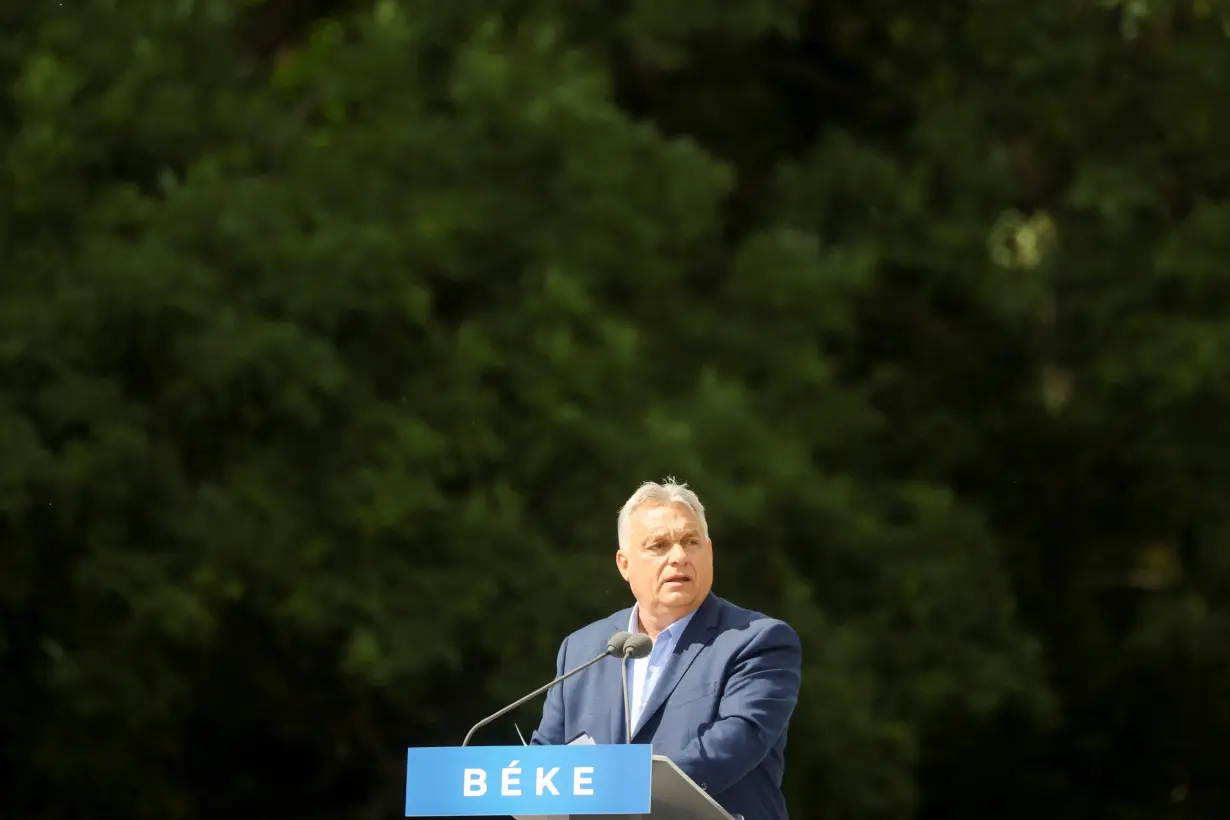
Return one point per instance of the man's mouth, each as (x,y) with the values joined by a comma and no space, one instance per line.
(678,579)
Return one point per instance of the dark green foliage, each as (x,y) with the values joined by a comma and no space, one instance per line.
(333,335)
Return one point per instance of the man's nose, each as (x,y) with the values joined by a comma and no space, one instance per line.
(677,554)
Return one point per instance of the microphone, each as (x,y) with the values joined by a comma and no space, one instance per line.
(636,645)
(614,647)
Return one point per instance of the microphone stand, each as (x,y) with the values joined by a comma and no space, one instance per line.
(609,651)
(637,645)
(623,676)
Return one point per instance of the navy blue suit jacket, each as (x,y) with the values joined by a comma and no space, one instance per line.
(720,710)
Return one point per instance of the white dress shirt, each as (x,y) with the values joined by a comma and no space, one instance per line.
(644,673)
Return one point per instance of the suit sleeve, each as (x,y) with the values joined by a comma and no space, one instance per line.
(754,710)
(550,731)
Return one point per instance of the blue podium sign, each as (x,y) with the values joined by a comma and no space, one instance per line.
(467,781)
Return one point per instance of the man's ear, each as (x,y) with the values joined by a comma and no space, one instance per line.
(621,561)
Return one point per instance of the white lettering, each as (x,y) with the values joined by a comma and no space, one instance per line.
(476,783)
(544,782)
(580,780)
(510,780)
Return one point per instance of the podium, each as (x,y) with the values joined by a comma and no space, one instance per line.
(603,782)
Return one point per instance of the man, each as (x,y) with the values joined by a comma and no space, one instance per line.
(716,693)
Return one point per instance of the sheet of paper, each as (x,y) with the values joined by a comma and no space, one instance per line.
(583,740)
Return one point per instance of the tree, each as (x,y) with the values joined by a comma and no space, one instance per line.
(327,335)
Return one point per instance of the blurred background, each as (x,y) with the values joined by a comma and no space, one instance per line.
(334,334)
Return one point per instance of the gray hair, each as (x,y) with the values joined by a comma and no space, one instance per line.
(665,494)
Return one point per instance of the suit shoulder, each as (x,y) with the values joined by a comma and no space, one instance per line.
(757,624)
(599,632)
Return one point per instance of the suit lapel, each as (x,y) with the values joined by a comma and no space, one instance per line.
(691,643)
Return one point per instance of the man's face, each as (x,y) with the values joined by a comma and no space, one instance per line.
(665,560)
